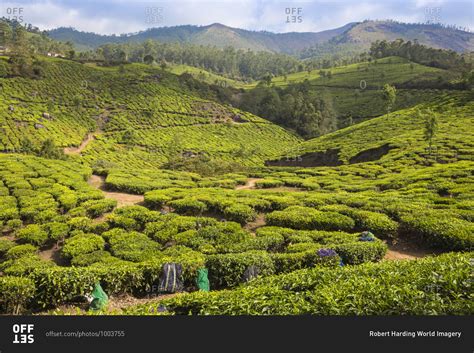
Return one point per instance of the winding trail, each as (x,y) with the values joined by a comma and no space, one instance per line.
(250,184)
(84,143)
(123,199)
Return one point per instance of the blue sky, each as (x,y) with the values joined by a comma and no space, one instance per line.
(120,16)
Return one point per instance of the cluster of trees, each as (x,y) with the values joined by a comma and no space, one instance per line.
(13,34)
(22,47)
(230,62)
(413,51)
(297,107)
(47,149)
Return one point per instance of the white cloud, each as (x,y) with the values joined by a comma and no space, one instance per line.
(125,16)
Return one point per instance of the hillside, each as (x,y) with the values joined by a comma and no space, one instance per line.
(359,37)
(395,139)
(356,36)
(428,34)
(352,91)
(299,219)
(134,113)
(214,35)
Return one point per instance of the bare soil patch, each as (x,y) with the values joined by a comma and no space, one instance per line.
(257,223)
(82,146)
(404,249)
(123,199)
(250,184)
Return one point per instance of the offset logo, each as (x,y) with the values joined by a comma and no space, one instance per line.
(23,333)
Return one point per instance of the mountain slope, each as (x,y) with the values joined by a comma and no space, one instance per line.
(354,35)
(215,35)
(431,35)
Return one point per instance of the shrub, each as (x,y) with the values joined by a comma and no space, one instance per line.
(133,246)
(68,200)
(188,205)
(227,270)
(299,217)
(431,286)
(82,243)
(156,199)
(378,223)
(56,230)
(5,245)
(24,265)
(33,234)
(15,294)
(93,257)
(20,251)
(268,183)
(117,220)
(287,262)
(80,223)
(360,252)
(240,213)
(438,231)
(95,208)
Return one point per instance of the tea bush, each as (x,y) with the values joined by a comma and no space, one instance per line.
(15,294)
(227,270)
(80,244)
(434,285)
(34,234)
(299,217)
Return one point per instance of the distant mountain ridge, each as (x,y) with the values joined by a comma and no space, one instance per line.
(356,33)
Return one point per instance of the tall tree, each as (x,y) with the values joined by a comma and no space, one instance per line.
(431,126)
(389,95)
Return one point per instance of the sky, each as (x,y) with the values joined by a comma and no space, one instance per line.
(120,16)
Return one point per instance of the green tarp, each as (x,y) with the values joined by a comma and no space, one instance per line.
(202,280)
(99,298)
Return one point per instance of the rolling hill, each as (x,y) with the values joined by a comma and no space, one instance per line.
(136,115)
(357,36)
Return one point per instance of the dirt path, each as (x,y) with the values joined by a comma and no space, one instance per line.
(84,143)
(53,254)
(101,121)
(257,223)
(122,199)
(405,250)
(250,184)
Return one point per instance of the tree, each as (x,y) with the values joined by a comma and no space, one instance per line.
(431,126)
(5,34)
(48,149)
(267,79)
(148,59)
(389,95)
(26,146)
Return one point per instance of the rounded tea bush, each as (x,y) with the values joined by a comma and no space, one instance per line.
(34,234)
(299,217)
(82,243)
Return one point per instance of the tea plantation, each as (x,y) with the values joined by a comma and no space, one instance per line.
(294,212)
